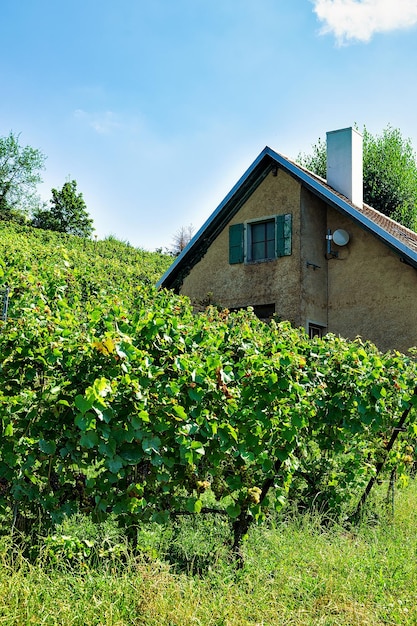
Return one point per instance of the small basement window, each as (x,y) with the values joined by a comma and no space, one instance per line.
(316,330)
(264,312)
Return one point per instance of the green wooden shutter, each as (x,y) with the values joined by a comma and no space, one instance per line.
(236,243)
(284,234)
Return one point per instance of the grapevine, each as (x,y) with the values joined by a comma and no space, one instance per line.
(118,398)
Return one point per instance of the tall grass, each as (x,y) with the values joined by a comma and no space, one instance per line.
(297,573)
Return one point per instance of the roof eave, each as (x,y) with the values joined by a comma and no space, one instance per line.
(229,206)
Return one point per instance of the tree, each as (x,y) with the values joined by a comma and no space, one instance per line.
(181,239)
(68,213)
(20,168)
(389,173)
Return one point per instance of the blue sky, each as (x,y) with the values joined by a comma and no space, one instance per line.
(157,107)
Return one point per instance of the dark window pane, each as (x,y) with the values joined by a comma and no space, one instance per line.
(270,230)
(263,240)
(315,330)
(270,249)
(258,233)
(264,311)
(258,251)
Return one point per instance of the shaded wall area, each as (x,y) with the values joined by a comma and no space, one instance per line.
(371,292)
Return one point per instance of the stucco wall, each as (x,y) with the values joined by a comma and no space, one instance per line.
(250,284)
(371,293)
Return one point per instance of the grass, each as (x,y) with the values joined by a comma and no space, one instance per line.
(296,573)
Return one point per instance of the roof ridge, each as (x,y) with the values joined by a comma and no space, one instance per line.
(391,223)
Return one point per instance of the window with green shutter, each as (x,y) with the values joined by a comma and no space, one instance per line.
(260,240)
(261,245)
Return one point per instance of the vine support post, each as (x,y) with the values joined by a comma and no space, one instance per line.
(395,432)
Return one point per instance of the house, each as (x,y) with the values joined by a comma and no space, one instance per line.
(290,244)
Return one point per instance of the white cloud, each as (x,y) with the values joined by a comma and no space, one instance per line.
(103,122)
(361,19)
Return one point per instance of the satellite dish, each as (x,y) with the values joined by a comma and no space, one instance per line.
(340,237)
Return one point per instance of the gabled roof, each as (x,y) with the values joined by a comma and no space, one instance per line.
(398,238)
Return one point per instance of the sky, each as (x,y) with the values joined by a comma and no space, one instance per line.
(156,108)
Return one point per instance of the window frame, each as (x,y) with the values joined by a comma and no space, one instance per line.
(314,329)
(248,240)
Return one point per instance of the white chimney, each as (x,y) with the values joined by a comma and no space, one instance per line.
(344,163)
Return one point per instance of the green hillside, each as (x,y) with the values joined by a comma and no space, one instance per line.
(83,268)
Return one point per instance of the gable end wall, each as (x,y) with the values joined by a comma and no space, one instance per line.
(277,281)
